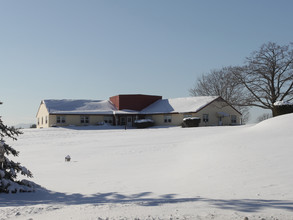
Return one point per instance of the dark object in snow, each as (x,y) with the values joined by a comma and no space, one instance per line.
(143,123)
(67,158)
(190,122)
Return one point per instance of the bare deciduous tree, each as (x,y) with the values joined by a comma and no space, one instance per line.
(268,76)
(263,117)
(223,83)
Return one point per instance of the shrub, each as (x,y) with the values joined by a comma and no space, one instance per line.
(190,122)
(283,107)
(33,126)
(143,123)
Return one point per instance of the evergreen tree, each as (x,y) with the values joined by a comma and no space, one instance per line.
(10,169)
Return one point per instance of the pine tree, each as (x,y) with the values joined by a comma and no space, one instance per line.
(10,169)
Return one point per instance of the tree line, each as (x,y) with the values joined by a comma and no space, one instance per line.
(265,78)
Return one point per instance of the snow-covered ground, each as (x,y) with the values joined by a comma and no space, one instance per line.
(157,173)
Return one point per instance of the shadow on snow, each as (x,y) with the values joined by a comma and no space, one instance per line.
(43,196)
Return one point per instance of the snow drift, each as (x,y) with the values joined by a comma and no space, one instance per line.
(158,173)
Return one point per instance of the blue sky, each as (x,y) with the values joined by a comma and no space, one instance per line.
(90,49)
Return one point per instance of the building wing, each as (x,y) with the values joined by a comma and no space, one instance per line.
(179,105)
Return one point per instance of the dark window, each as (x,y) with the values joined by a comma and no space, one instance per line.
(108,120)
(233,119)
(167,118)
(205,118)
(122,121)
(84,119)
(61,119)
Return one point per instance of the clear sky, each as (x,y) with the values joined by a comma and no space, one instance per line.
(94,49)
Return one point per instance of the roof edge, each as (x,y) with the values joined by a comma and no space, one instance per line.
(220,98)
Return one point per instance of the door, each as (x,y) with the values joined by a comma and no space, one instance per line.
(220,121)
(129,121)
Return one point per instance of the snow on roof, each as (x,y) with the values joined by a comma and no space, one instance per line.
(70,106)
(126,112)
(179,105)
(176,105)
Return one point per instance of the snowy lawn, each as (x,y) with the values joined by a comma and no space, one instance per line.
(157,173)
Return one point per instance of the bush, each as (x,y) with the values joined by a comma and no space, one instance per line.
(33,126)
(144,123)
(190,122)
(283,107)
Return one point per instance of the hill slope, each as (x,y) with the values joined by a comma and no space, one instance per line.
(191,173)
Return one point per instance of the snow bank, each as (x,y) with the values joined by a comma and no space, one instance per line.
(277,125)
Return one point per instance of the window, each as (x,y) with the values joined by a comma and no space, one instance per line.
(46,121)
(61,119)
(84,119)
(108,119)
(167,118)
(122,121)
(38,121)
(205,118)
(233,119)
